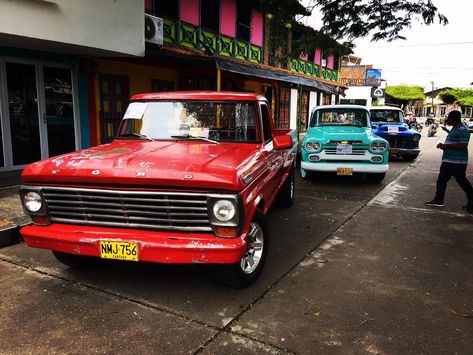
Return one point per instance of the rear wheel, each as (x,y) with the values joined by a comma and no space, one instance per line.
(286,194)
(74,261)
(247,270)
(375,177)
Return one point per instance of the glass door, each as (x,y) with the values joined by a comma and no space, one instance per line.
(59,110)
(36,111)
(23,111)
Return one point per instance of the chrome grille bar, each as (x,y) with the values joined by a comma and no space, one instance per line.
(168,211)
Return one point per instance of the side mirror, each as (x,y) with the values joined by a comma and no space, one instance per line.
(282,142)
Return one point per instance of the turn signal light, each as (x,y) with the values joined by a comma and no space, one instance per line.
(225,232)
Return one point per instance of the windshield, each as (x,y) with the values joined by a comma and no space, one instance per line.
(387,116)
(205,120)
(339,117)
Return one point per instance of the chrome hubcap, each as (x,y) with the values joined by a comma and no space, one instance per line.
(253,255)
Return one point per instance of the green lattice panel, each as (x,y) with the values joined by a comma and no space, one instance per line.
(241,50)
(170,31)
(225,46)
(210,40)
(189,36)
(256,54)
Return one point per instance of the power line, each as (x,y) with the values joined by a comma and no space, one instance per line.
(416,45)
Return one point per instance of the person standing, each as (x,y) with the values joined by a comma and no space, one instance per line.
(454,161)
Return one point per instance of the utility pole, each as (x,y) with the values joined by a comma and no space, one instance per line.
(433,98)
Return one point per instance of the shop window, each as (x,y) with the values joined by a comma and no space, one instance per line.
(167,8)
(304,110)
(284,101)
(210,15)
(243,22)
(114,93)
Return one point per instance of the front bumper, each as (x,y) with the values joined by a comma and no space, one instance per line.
(159,247)
(404,151)
(357,167)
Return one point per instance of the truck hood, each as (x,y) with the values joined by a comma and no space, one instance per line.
(183,164)
(339,133)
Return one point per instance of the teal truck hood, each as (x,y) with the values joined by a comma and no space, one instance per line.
(339,133)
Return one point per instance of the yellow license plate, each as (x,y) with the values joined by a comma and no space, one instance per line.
(119,250)
(345,171)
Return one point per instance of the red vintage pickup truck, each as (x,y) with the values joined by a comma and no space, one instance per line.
(188,178)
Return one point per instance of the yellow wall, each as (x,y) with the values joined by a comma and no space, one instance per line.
(254,86)
(139,76)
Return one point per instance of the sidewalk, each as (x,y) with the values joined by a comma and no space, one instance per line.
(11,212)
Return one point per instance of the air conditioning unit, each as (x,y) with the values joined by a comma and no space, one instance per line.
(153,29)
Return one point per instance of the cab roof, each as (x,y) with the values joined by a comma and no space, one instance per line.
(198,95)
(394,108)
(338,107)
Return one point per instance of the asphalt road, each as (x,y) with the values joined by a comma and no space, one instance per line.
(353,267)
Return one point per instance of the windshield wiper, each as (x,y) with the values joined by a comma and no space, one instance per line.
(188,136)
(137,135)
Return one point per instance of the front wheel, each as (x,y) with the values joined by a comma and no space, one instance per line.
(375,177)
(74,261)
(248,269)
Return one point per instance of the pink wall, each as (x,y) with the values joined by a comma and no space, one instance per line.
(330,62)
(303,56)
(149,5)
(318,56)
(190,11)
(256,28)
(228,18)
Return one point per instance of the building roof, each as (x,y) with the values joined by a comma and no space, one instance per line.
(434,93)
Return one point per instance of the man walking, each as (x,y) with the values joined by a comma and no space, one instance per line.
(454,161)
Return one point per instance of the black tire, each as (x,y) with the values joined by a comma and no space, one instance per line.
(410,157)
(234,275)
(286,194)
(75,261)
(375,177)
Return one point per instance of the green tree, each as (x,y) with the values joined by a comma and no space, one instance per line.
(404,94)
(463,97)
(343,20)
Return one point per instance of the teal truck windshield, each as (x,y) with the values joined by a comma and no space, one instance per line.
(386,116)
(340,117)
(170,120)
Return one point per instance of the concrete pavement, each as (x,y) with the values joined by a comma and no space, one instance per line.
(353,268)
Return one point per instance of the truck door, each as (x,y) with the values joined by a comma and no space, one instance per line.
(273,157)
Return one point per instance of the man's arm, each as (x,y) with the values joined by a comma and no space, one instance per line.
(456,146)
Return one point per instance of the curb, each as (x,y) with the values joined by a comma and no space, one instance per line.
(10,236)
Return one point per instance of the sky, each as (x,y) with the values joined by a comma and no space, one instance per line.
(436,53)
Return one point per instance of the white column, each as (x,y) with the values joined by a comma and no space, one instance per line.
(293,110)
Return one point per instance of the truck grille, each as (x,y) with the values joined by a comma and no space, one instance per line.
(355,151)
(128,209)
(399,142)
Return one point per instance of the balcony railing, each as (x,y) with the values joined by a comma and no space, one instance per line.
(184,34)
(308,68)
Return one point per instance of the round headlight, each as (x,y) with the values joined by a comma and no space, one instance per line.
(32,201)
(224,210)
(416,138)
(382,146)
(316,145)
(309,146)
(374,146)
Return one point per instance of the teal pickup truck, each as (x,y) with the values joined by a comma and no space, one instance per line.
(340,139)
